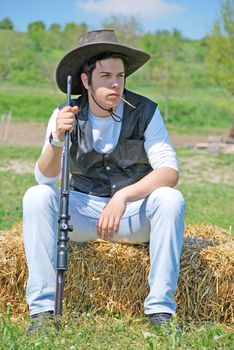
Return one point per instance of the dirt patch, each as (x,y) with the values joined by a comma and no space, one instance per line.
(33,134)
(18,167)
(186,140)
(202,167)
(23,134)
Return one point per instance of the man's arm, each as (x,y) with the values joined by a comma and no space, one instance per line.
(157,178)
(162,159)
(110,218)
(49,163)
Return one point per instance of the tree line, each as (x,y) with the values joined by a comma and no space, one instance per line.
(176,62)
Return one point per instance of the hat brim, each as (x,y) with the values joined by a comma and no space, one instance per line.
(73,61)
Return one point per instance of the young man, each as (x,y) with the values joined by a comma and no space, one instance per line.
(123,170)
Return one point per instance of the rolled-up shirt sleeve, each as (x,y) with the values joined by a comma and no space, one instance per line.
(39,177)
(158,147)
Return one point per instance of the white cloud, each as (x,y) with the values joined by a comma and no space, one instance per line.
(149,9)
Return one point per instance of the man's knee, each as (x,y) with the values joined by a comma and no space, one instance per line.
(168,199)
(39,196)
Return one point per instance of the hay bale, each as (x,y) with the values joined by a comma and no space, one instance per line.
(111,276)
(13,270)
(206,284)
(108,276)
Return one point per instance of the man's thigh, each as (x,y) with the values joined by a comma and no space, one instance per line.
(85,211)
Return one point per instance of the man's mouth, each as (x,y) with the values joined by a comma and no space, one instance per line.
(114,95)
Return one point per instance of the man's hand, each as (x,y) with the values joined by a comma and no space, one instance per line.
(108,223)
(65,121)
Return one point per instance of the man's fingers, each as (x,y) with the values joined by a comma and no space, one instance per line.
(110,228)
(109,220)
(67,121)
(99,227)
(66,116)
(116,225)
(73,109)
(107,227)
(102,229)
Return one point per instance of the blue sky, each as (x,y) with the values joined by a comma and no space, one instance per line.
(194,18)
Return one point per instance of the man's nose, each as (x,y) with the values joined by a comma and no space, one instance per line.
(114,82)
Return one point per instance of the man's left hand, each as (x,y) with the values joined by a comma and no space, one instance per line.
(108,223)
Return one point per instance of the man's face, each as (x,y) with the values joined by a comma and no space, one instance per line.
(107,82)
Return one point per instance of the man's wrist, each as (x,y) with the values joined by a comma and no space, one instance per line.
(122,193)
(54,141)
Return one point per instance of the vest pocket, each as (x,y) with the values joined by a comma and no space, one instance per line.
(130,152)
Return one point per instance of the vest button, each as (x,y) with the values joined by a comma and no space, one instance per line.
(113,186)
(107,168)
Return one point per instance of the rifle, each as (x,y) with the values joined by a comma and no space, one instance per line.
(63,221)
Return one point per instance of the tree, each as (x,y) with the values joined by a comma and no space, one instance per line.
(55,28)
(71,33)
(228,17)
(128,29)
(38,36)
(12,58)
(6,23)
(220,59)
(54,37)
(34,27)
(164,49)
(220,63)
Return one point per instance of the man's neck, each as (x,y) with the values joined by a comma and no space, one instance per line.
(98,112)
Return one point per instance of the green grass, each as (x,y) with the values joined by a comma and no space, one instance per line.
(190,110)
(113,332)
(14,183)
(11,197)
(209,203)
(20,153)
(31,106)
(193,110)
(207,184)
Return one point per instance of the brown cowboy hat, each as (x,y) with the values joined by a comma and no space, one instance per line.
(92,44)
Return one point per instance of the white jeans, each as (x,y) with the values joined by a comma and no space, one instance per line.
(158,219)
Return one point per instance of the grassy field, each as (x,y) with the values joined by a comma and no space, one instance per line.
(207,184)
(113,333)
(16,166)
(189,111)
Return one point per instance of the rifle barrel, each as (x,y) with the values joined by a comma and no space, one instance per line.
(63,221)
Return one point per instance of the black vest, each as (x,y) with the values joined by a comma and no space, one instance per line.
(103,174)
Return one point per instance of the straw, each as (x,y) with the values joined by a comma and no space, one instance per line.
(128,103)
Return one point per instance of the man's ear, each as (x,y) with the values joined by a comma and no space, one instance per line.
(84,80)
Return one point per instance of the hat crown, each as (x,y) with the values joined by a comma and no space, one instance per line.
(98,36)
